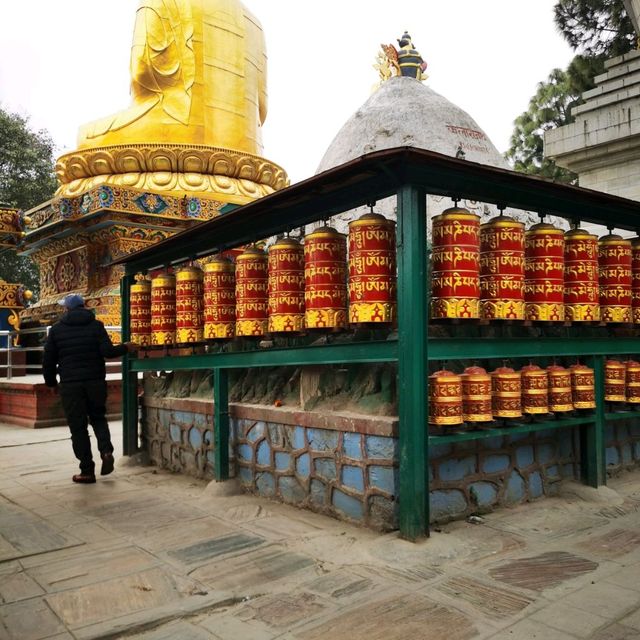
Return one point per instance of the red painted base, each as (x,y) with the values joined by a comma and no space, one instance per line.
(35,406)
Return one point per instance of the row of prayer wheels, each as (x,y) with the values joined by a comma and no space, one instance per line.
(289,289)
(476,396)
(498,271)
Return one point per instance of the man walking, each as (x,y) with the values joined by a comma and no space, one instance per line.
(75,351)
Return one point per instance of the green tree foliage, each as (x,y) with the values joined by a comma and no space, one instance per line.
(595,27)
(26,180)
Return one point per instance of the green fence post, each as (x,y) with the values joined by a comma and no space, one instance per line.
(592,444)
(221,422)
(129,379)
(412,364)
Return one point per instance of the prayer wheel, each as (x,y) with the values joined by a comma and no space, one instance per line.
(325,279)
(140,312)
(544,273)
(251,293)
(219,299)
(581,290)
(633,381)
(189,306)
(583,387)
(560,398)
(476,395)
(506,386)
(455,265)
(615,381)
(372,269)
(445,398)
(163,310)
(502,269)
(535,390)
(635,280)
(614,260)
(286,286)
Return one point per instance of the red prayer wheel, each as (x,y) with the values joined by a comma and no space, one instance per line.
(614,260)
(455,263)
(544,273)
(163,310)
(372,269)
(633,381)
(583,387)
(560,398)
(189,305)
(445,398)
(506,387)
(476,395)
(635,280)
(325,279)
(140,312)
(286,286)
(581,289)
(535,390)
(502,269)
(251,293)
(615,381)
(219,299)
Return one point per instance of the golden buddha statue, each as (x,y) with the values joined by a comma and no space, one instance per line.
(198,86)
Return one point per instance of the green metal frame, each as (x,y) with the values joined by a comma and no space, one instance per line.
(410,174)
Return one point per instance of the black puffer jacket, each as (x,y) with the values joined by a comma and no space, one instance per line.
(76,348)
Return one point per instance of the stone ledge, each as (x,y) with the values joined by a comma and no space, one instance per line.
(344,421)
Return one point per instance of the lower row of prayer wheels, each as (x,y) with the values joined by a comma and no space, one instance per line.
(289,289)
(476,396)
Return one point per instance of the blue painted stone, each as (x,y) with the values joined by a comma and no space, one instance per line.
(303,465)
(494,443)
(568,471)
(634,429)
(622,431)
(348,505)
(195,437)
(245,452)
(183,417)
(447,504)
(265,484)
(211,457)
(524,456)
(552,472)
(256,431)
(535,485)
(464,447)
(625,450)
(636,450)
(208,437)
(165,418)
(431,476)
(515,490)
(283,461)
(291,490)
(379,447)
(353,477)
(453,469)
(483,494)
(385,478)
(176,432)
(566,443)
(352,445)
(325,467)
(298,438)
(609,432)
(318,492)
(496,463)
(517,437)
(546,453)
(546,433)
(200,420)
(612,456)
(322,439)
(263,455)
(246,475)
(438,451)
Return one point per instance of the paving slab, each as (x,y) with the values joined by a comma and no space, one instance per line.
(568,619)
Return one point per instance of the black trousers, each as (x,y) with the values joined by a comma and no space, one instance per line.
(84,403)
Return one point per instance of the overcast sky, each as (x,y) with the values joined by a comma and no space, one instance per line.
(65,63)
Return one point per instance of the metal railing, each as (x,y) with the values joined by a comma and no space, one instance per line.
(10,348)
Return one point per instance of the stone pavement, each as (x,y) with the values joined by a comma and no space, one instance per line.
(148,555)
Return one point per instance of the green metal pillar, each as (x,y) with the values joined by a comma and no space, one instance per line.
(412,365)
(221,422)
(592,444)
(129,379)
